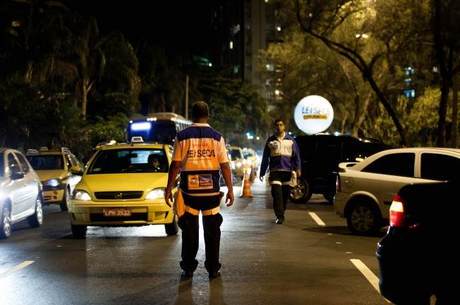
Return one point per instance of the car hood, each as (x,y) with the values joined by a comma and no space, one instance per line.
(51,174)
(123,182)
(3,180)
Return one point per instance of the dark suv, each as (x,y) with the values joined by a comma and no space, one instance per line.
(320,156)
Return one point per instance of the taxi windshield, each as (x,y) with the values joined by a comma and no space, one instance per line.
(235,154)
(117,161)
(46,162)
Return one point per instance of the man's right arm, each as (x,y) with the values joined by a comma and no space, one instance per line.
(264,164)
(227,173)
(174,170)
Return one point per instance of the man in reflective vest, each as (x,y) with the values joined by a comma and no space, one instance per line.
(199,155)
(281,154)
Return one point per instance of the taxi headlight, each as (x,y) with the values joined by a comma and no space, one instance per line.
(52,182)
(238,164)
(156,194)
(81,195)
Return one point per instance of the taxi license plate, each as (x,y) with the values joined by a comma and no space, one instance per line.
(116,212)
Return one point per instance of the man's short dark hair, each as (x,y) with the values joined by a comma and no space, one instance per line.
(200,110)
(278,120)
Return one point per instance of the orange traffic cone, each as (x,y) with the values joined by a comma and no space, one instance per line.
(246,187)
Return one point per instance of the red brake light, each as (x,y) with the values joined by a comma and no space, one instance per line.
(397,212)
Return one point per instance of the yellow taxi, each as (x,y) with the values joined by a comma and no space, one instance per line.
(59,171)
(123,185)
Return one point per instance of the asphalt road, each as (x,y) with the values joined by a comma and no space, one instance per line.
(310,259)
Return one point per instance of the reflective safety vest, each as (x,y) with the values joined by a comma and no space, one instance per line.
(200,150)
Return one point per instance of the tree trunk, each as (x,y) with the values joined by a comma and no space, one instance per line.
(361,115)
(388,107)
(444,60)
(28,73)
(454,114)
(441,141)
(84,98)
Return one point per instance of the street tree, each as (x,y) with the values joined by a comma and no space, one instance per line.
(346,27)
(445,29)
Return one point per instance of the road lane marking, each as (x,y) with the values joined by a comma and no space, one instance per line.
(316,218)
(368,274)
(16,268)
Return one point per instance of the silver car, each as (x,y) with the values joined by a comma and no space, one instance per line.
(365,190)
(20,192)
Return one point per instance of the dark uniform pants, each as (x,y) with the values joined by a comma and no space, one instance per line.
(190,241)
(280,191)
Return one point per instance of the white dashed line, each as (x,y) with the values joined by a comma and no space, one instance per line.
(368,274)
(16,268)
(317,219)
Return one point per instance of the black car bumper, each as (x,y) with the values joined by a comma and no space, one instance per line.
(404,272)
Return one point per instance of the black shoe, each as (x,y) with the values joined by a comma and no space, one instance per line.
(186,274)
(213,275)
(279,221)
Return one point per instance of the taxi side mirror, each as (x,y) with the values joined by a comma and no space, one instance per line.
(76,170)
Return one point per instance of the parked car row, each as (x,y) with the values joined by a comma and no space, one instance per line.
(122,185)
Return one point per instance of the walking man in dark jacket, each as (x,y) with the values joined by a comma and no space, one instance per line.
(281,155)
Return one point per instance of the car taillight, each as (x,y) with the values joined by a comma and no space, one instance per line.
(397,212)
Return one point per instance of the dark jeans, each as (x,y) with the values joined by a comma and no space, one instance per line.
(190,241)
(280,191)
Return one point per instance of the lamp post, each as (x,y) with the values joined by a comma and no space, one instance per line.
(187,81)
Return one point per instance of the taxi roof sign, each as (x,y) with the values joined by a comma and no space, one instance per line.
(137,139)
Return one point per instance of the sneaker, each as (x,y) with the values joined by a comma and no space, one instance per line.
(279,221)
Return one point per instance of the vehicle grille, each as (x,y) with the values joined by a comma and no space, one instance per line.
(119,195)
(134,216)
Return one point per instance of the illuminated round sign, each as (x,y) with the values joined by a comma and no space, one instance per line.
(313,114)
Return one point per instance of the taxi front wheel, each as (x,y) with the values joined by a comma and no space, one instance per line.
(78,231)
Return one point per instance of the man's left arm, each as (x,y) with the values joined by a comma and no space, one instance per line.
(296,158)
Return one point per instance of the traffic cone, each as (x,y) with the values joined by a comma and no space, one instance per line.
(246,187)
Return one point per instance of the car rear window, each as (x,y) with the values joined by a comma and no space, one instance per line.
(116,161)
(440,167)
(399,164)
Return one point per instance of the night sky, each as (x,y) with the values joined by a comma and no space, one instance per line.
(182,25)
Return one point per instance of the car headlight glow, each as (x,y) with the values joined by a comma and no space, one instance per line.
(52,182)
(238,164)
(156,194)
(82,195)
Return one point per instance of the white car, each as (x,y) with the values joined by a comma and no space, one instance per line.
(365,190)
(20,192)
